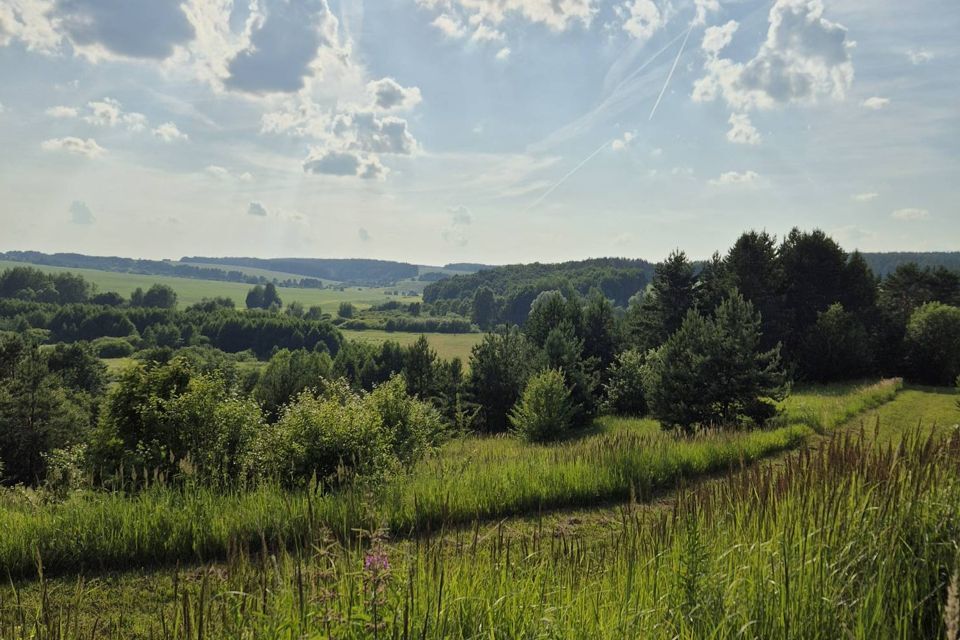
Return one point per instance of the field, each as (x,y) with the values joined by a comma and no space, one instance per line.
(447,345)
(191,290)
(820,545)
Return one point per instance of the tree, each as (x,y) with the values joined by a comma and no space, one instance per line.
(623,392)
(346,310)
(837,347)
(563,351)
(287,374)
(271,299)
(255,297)
(484,310)
(663,308)
(753,267)
(599,330)
(160,296)
(713,372)
(547,312)
(545,410)
(499,369)
(933,344)
(295,309)
(420,369)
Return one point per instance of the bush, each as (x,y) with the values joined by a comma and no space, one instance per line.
(933,344)
(112,348)
(623,393)
(837,347)
(545,410)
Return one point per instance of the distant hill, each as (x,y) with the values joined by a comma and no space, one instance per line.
(347,270)
(469,267)
(126,265)
(884,263)
(618,278)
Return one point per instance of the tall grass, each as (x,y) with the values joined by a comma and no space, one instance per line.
(469,480)
(849,541)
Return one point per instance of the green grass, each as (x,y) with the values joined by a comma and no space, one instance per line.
(190,290)
(850,541)
(447,345)
(467,480)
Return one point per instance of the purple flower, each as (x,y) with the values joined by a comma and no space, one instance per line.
(376,562)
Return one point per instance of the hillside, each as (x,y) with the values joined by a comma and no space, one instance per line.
(349,270)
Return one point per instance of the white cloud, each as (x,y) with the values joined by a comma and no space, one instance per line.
(643,19)
(364,235)
(344,163)
(109,113)
(703,8)
(78,146)
(388,94)
(61,112)
(742,130)
(876,103)
(910,214)
(486,33)
(28,21)
(450,26)
(257,209)
(804,58)
(80,213)
(168,132)
(503,55)
(456,233)
(920,55)
(558,15)
(715,39)
(735,178)
(623,142)
(865,197)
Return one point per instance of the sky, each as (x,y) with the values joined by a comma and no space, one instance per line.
(495,131)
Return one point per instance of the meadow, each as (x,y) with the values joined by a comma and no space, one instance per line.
(190,290)
(468,480)
(853,538)
(447,345)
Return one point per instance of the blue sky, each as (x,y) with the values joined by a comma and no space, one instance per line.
(475,130)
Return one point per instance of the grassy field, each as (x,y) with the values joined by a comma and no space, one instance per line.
(191,290)
(447,345)
(852,540)
(468,480)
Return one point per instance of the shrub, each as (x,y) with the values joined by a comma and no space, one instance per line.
(112,348)
(413,427)
(933,343)
(623,393)
(545,410)
(837,347)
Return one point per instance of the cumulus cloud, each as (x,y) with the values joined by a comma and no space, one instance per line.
(78,146)
(388,94)
(734,178)
(919,56)
(28,21)
(643,19)
(558,15)
(623,141)
(705,7)
(715,39)
(449,26)
(284,47)
(344,163)
(363,234)
(257,209)
(61,111)
(131,28)
(804,58)
(910,214)
(109,113)
(876,103)
(503,55)
(486,33)
(742,130)
(168,132)
(80,213)
(865,197)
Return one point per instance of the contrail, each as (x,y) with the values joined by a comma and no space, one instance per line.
(670,75)
(566,177)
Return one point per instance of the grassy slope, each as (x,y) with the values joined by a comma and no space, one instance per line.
(790,547)
(191,290)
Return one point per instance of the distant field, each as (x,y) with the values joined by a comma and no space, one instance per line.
(191,290)
(447,345)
